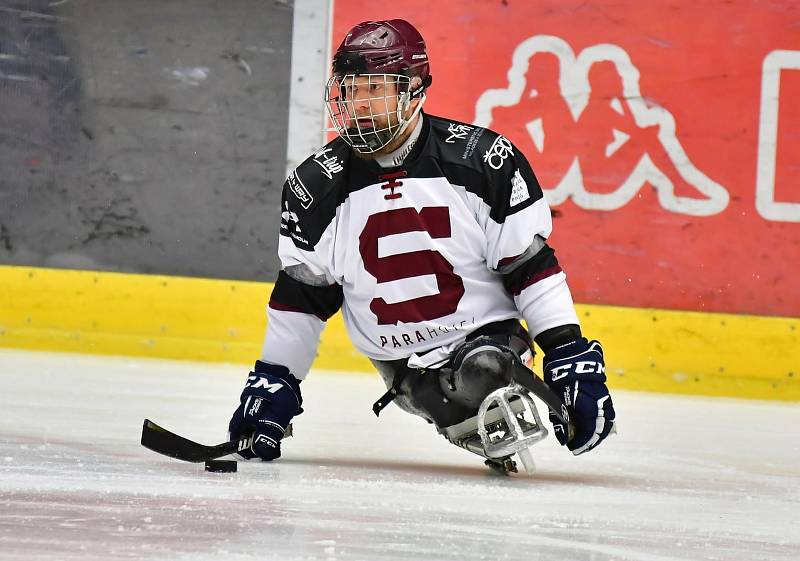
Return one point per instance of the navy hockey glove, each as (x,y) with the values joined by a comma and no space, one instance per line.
(576,373)
(270,399)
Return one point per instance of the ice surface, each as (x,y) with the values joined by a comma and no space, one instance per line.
(685,478)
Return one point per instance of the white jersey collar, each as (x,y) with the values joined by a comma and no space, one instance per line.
(396,157)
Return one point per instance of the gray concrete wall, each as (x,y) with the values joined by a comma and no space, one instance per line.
(144,136)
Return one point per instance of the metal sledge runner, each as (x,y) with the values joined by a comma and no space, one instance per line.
(508,421)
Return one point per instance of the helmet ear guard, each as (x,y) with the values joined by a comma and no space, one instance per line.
(413,89)
(423,85)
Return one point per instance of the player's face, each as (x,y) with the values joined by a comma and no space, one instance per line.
(364,110)
(371,102)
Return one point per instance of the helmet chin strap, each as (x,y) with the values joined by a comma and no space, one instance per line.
(397,156)
(416,112)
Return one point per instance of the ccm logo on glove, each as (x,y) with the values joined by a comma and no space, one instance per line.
(580,367)
(264,440)
(256,382)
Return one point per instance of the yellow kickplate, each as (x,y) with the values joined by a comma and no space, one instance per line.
(220,320)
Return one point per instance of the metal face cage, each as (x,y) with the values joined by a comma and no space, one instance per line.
(367,110)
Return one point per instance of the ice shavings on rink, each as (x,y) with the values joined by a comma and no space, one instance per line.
(685,478)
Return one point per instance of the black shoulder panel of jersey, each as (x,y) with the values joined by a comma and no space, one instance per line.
(486,164)
(312,192)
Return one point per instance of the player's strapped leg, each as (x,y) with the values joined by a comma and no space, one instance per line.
(453,393)
(479,400)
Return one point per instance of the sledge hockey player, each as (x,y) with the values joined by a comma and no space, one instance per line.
(431,236)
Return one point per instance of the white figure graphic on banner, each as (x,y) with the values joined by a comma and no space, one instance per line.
(600,140)
(774,64)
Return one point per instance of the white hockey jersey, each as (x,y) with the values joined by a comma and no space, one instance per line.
(416,257)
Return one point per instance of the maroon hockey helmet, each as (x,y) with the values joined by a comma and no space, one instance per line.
(380,52)
(383,47)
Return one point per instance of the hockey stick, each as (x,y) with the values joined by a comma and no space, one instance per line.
(158,439)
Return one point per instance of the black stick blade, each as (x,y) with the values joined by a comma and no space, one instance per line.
(158,439)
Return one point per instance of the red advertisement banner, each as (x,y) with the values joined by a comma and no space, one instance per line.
(666,136)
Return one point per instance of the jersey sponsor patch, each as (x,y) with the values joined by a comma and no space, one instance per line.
(519,190)
(497,153)
(457,132)
(299,190)
(290,226)
(472,142)
(289,216)
(330,164)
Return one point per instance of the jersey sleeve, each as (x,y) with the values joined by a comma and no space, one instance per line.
(518,224)
(305,294)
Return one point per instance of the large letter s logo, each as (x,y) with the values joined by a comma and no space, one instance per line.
(435,221)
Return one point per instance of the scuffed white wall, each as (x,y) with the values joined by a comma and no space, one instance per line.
(310,63)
